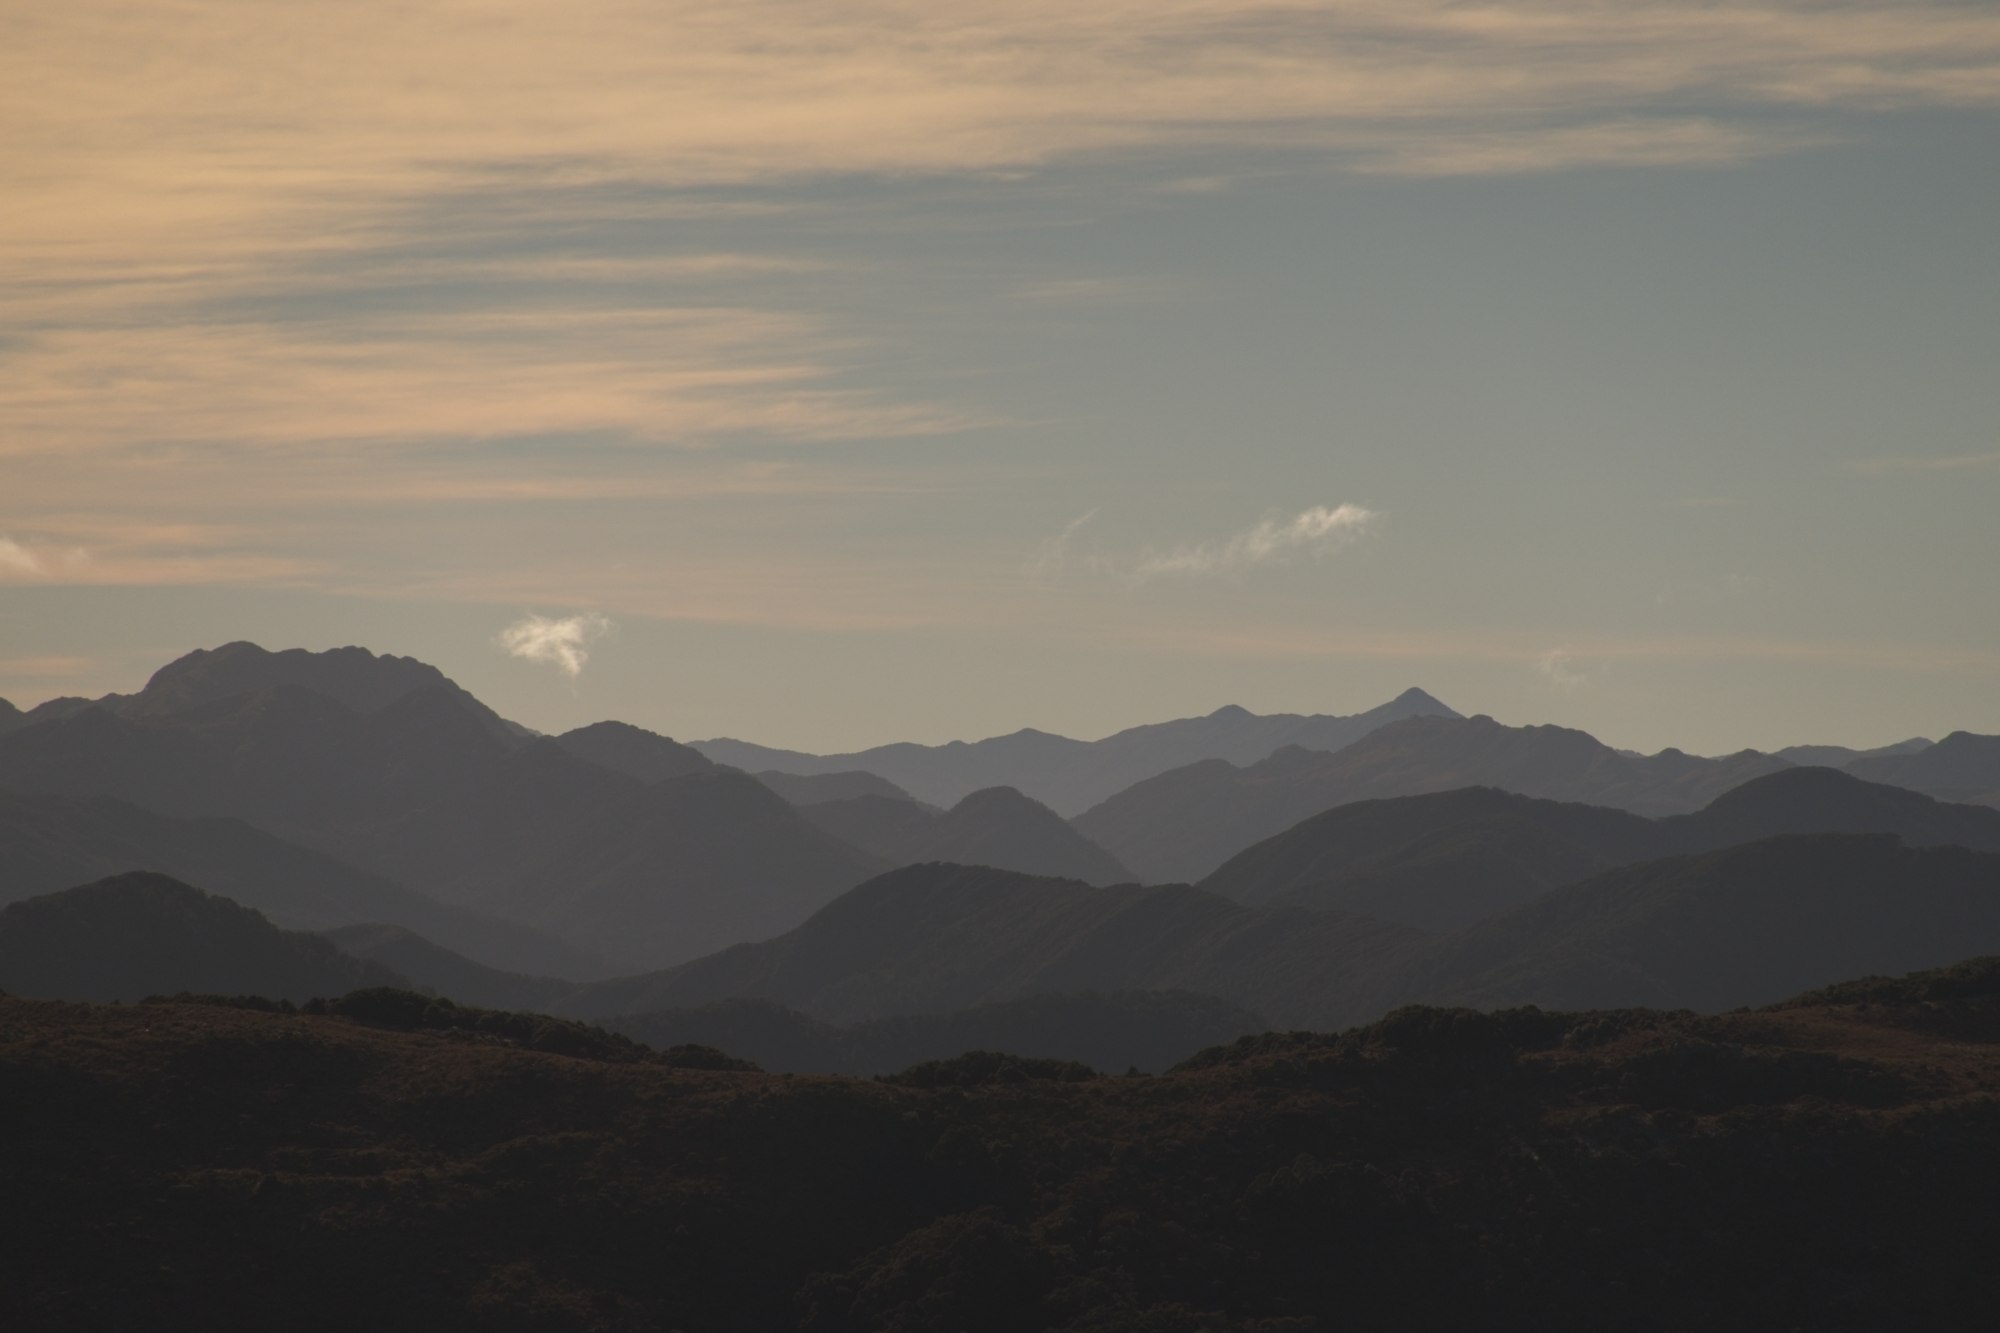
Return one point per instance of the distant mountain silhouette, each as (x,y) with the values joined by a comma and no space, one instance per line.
(1445,860)
(1071,775)
(1182,825)
(438,969)
(937,938)
(49,843)
(819,788)
(425,792)
(1961,767)
(1840,756)
(10,717)
(142,934)
(353,677)
(997,827)
(633,751)
(1746,925)
(1148,1030)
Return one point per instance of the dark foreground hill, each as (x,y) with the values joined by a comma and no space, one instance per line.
(195,1166)
(140,934)
(1146,1030)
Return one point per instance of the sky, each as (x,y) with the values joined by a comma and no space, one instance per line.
(827,374)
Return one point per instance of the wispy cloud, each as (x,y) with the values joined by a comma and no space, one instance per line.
(1052,557)
(18,560)
(563,642)
(1316,531)
(1880,467)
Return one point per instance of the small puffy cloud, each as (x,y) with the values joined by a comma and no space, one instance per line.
(1316,531)
(564,642)
(1559,667)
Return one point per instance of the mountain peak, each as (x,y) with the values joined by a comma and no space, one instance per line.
(1230,713)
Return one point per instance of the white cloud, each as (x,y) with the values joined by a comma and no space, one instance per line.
(563,642)
(1881,467)
(1558,666)
(1316,531)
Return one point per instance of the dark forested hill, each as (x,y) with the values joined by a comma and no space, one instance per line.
(1182,825)
(141,934)
(198,1166)
(1071,775)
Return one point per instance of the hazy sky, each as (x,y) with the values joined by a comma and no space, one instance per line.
(841,372)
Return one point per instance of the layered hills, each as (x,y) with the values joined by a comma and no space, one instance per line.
(1072,775)
(996,827)
(1183,824)
(141,934)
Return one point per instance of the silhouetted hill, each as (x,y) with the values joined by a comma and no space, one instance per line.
(143,934)
(1745,925)
(422,792)
(372,1166)
(936,938)
(998,827)
(1184,824)
(49,843)
(353,677)
(1149,1030)
(819,788)
(1961,767)
(1448,859)
(1071,775)
(10,717)
(633,751)
(676,870)
(429,966)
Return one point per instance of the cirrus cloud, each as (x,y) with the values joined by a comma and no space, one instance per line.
(1316,531)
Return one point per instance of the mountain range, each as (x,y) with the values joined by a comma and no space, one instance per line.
(1071,775)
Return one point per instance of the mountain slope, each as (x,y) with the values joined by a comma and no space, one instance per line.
(1742,926)
(936,938)
(1184,824)
(633,751)
(1444,860)
(141,934)
(1071,775)
(434,968)
(49,843)
(819,788)
(1961,767)
(997,827)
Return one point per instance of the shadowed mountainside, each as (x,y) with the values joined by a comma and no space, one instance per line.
(49,843)
(819,788)
(1071,775)
(141,934)
(435,968)
(937,938)
(1961,767)
(1182,825)
(997,827)
(633,751)
(1805,1167)
(1445,860)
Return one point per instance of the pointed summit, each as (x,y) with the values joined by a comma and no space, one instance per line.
(1230,713)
